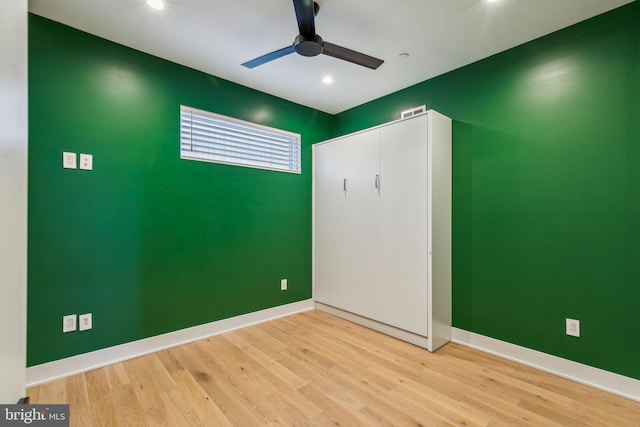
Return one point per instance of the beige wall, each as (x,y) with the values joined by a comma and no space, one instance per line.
(13,198)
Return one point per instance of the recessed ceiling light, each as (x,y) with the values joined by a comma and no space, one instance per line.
(403,55)
(156,4)
(327,80)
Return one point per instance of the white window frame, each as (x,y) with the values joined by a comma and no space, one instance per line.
(211,137)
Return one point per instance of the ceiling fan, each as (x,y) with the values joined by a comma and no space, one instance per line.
(308,43)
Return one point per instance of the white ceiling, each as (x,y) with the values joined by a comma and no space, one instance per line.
(216,36)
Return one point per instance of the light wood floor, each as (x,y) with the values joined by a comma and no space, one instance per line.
(312,369)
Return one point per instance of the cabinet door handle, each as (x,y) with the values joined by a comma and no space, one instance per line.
(344,185)
(378,182)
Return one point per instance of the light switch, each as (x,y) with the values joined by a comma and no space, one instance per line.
(68,160)
(69,323)
(86,321)
(86,162)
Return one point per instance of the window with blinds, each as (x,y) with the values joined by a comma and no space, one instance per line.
(215,138)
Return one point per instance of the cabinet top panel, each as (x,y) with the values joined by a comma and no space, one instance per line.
(423,116)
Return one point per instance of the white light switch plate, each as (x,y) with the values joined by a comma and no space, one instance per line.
(68,160)
(69,323)
(86,162)
(86,322)
(283,284)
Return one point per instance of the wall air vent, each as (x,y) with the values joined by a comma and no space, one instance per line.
(413,112)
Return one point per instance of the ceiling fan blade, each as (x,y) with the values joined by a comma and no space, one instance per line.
(305,14)
(351,55)
(269,57)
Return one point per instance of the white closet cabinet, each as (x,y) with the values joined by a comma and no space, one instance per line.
(382,228)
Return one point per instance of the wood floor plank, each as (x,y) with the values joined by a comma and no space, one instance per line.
(258,384)
(198,398)
(593,399)
(54,392)
(220,388)
(76,391)
(34,394)
(282,382)
(501,411)
(242,376)
(100,396)
(155,392)
(314,369)
(127,408)
(333,409)
(279,372)
(116,375)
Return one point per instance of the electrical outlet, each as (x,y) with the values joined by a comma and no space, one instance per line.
(86,322)
(573,327)
(68,160)
(283,284)
(69,323)
(86,162)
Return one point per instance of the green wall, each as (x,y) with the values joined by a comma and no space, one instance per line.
(147,242)
(546,189)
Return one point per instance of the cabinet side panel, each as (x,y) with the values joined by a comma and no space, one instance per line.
(440,164)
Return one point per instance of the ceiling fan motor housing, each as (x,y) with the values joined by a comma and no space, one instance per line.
(306,47)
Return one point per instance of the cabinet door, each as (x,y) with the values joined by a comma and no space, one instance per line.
(329,207)
(404,225)
(361,238)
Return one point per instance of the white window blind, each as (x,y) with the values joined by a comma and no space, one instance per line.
(215,138)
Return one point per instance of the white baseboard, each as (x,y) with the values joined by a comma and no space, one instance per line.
(96,359)
(594,377)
